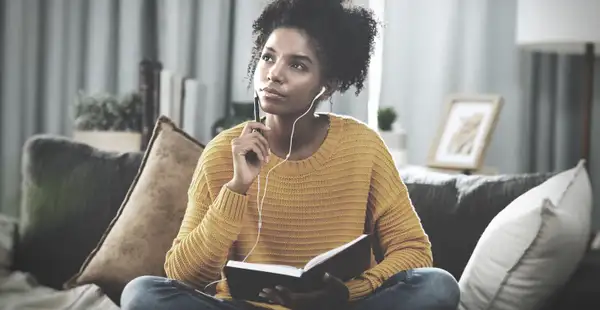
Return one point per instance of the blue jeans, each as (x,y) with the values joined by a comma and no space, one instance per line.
(418,289)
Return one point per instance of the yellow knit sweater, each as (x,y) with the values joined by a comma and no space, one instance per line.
(311,206)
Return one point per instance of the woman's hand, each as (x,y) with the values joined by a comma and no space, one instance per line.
(246,165)
(334,295)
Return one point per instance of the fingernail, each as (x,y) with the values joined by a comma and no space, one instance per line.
(263,295)
(266,290)
(267,158)
(268,128)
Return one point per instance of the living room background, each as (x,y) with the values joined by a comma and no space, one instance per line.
(430,48)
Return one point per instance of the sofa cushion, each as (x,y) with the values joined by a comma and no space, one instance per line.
(8,236)
(532,247)
(139,237)
(19,291)
(456,209)
(70,193)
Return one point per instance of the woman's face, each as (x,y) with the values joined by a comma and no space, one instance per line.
(287,75)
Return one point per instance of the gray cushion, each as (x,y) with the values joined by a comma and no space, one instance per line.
(456,209)
(70,194)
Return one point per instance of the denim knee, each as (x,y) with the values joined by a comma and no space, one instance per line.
(136,295)
(420,288)
(440,286)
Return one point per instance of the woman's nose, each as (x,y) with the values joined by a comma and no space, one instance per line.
(275,73)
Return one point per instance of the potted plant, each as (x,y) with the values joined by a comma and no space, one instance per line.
(109,122)
(386,118)
(393,136)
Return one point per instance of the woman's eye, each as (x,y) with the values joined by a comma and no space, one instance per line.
(266,57)
(299,66)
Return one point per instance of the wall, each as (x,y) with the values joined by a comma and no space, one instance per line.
(245,13)
(468,46)
(461,46)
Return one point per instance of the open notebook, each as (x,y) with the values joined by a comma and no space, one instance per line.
(246,280)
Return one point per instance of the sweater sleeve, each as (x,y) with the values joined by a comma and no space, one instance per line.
(208,230)
(402,239)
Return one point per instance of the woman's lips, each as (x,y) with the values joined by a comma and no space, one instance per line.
(272,94)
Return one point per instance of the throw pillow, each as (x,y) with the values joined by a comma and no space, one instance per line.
(139,237)
(532,247)
(70,193)
(455,209)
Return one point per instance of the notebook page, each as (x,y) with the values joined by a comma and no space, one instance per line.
(325,256)
(278,269)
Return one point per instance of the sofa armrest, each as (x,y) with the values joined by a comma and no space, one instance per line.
(581,291)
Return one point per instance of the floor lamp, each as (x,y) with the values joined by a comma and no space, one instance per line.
(564,27)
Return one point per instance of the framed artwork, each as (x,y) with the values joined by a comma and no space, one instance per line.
(465,132)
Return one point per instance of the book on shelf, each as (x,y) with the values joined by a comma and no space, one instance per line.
(246,280)
(193,109)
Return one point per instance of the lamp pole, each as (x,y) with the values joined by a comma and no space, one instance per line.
(588,98)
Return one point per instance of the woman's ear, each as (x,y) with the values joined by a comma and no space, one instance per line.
(330,88)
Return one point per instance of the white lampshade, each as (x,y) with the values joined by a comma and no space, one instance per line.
(561,26)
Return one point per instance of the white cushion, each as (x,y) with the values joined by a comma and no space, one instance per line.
(532,247)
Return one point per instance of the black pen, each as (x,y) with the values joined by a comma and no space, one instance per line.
(251,155)
(257,110)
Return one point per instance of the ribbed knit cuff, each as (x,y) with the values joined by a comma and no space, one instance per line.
(359,288)
(230,204)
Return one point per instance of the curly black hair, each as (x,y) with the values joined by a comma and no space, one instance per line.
(343,35)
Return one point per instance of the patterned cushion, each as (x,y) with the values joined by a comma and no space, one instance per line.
(139,237)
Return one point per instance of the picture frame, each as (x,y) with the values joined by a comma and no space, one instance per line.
(465,131)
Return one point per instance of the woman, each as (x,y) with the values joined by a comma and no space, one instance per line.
(323,187)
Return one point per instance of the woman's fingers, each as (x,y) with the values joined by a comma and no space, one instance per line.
(253,146)
(251,126)
(272,296)
(253,142)
(262,143)
(250,140)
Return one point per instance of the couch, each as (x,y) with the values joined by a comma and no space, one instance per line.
(73,194)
